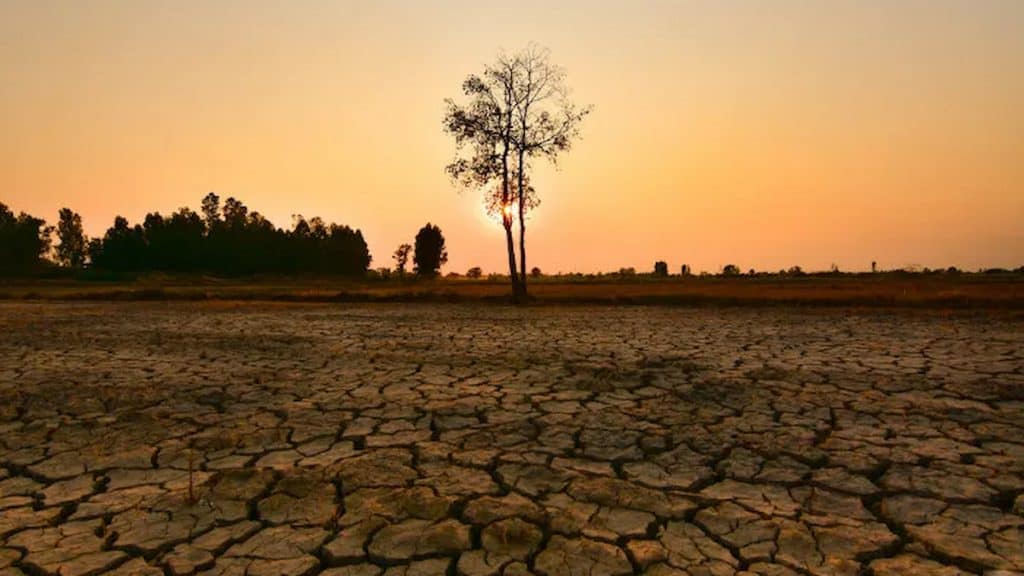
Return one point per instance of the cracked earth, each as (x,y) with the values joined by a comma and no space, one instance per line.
(155,438)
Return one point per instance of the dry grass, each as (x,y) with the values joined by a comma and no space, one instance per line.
(1004,291)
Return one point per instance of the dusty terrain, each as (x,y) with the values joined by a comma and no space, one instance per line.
(432,439)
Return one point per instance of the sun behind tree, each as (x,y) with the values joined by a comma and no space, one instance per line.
(518,111)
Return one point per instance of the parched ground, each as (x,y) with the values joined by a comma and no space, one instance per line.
(419,439)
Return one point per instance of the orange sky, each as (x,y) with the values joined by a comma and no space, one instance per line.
(760,133)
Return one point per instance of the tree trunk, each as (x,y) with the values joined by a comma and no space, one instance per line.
(506,221)
(512,261)
(522,222)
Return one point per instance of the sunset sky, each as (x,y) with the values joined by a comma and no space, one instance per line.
(759,133)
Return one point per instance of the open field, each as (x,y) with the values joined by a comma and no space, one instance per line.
(1004,291)
(258,438)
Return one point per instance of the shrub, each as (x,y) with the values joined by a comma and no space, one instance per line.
(661,268)
(474,272)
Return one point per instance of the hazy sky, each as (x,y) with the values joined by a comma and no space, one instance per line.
(761,133)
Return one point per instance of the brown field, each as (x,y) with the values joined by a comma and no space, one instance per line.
(1004,291)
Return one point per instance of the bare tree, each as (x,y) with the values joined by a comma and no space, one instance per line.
(546,123)
(518,110)
(484,127)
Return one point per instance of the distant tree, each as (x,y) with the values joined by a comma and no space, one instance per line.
(955,270)
(752,272)
(173,244)
(242,242)
(684,270)
(24,241)
(71,251)
(235,213)
(430,252)
(210,208)
(627,271)
(795,271)
(730,270)
(474,272)
(343,251)
(661,268)
(535,272)
(401,258)
(122,249)
(874,266)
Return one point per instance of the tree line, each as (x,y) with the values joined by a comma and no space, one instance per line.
(223,239)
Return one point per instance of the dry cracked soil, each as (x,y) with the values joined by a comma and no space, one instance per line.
(205,438)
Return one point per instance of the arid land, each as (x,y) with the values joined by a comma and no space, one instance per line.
(224,437)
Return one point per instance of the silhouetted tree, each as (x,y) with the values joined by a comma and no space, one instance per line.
(210,208)
(174,244)
(684,270)
(546,123)
(71,251)
(518,111)
(535,272)
(430,251)
(474,272)
(874,266)
(235,213)
(730,270)
(661,268)
(24,240)
(346,251)
(122,249)
(484,127)
(401,257)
